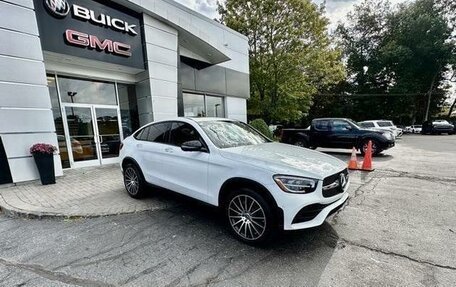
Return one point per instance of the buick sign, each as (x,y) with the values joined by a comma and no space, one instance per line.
(58,8)
(96,30)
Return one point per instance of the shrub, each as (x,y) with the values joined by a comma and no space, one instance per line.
(262,127)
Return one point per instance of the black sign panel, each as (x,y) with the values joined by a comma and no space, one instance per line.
(89,29)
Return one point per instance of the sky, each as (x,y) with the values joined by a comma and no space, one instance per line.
(336,9)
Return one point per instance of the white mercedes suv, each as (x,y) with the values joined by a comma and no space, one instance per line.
(261,185)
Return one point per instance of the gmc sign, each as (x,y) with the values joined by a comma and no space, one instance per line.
(91,29)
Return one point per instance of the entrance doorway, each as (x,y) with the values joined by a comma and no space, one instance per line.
(93,134)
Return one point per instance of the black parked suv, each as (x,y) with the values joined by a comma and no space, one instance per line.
(338,133)
(437,127)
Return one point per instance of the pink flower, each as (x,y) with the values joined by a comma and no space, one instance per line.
(42,148)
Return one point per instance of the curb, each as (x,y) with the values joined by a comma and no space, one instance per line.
(19,213)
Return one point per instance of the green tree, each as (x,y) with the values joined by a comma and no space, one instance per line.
(399,56)
(290,54)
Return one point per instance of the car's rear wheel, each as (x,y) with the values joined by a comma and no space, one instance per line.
(249,216)
(134,181)
(300,142)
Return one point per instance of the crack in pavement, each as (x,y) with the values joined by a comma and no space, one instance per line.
(391,253)
(54,276)
(394,173)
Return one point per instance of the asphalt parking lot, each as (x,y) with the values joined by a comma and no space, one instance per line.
(398,229)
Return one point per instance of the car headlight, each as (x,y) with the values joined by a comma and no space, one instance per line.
(294,184)
(388,135)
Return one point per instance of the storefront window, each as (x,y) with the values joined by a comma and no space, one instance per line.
(215,107)
(128,109)
(197,105)
(87,92)
(194,105)
(58,121)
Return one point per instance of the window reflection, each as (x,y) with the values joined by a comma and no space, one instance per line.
(58,121)
(128,109)
(215,107)
(196,105)
(86,91)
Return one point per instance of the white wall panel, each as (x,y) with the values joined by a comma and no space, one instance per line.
(22,71)
(23,3)
(160,38)
(150,21)
(162,72)
(164,105)
(161,55)
(24,95)
(20,45)
(163,88)
(18,145)
(24,169)
(18,18)
(236,108)
(26,121)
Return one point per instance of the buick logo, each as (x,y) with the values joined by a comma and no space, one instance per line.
(342,179)
(58,8)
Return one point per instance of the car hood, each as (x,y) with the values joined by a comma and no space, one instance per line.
(286,159)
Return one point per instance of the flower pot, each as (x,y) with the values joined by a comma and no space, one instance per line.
(45,164)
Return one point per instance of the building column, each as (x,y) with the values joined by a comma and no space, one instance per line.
(25,107)
(157,87)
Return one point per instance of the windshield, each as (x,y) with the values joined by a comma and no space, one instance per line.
(226,134)
(354,124)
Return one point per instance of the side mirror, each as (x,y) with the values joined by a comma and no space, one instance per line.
(192,146)
(348,127)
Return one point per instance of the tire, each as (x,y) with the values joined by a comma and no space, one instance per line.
(300,142)
(375,149)
(134,181)
(250,217)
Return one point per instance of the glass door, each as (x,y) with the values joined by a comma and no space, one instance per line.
(108,133)
(94,134)
(82,142)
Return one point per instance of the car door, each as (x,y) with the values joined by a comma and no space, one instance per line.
(186,171)
(320,133)
(343,134)
(151,145)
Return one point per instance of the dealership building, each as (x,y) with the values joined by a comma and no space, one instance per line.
(84,74)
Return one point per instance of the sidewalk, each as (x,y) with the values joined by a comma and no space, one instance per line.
(85,192)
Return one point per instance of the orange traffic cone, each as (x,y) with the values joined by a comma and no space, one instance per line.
(353,163)
(367,162)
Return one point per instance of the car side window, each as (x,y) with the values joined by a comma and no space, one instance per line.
(158,133)
(321,125)
(142,135)
(338,125)
(367,125)
(182,132)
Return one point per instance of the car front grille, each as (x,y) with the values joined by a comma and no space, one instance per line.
(332,185)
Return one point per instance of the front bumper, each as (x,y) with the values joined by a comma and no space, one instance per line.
(318,206)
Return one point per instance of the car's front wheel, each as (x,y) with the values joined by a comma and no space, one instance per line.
(134,181)
(375,147)
(249,216)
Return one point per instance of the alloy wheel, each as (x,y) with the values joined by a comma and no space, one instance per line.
(131,179)
(247,217)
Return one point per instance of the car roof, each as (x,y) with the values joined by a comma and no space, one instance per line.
(328,119)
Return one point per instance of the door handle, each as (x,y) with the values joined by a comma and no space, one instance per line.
(170,150)
(139,145)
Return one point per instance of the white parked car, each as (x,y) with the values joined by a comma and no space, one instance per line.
(383,125)
(261,185)
(416,129)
